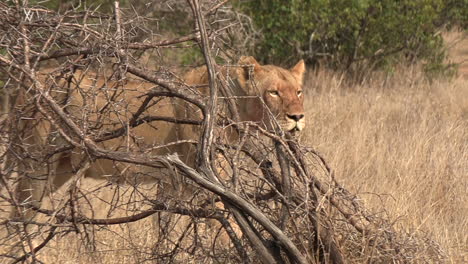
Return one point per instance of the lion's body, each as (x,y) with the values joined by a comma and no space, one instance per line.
(99,106)
(154,138)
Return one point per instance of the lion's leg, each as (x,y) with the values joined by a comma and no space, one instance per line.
(28,190)
(31,187)
(225,173)
(28,195)
(37,182)
(33,173)
(218,234)
(25,191)
(63,172)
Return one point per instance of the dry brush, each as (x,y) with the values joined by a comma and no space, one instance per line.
(282,195)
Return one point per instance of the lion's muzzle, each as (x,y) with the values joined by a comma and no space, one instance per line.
(294,122)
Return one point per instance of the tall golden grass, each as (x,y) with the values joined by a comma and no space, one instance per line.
(401,143)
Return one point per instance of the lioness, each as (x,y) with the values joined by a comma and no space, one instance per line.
(100,106)
(124,116)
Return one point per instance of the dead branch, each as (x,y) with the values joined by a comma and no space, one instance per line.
(280,195)
(241,204)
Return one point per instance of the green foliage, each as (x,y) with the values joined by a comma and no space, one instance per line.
(454,13)
(189,56)
(377,33)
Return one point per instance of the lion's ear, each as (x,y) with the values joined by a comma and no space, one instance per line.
(298,70)
(249,60)
(244,74)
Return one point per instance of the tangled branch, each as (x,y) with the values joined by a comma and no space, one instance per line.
(83,101)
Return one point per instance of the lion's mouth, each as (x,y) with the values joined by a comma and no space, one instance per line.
(294,127)
(293,133)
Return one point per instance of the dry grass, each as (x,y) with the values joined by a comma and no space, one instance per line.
(401,143)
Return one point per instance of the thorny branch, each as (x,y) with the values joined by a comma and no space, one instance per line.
(281,202)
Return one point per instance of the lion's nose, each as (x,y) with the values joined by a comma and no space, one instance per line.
(295,117)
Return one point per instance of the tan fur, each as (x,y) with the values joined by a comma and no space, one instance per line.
(263,81)
(88,105)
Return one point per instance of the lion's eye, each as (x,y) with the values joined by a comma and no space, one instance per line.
(299,93)
(273,93)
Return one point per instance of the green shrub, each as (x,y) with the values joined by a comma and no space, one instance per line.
(350,33)
(454,13)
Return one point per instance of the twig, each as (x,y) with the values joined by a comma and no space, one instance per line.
(156,207)
(203,156)
(49,237)
(241,204)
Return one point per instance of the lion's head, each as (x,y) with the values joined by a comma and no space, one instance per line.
(280,89)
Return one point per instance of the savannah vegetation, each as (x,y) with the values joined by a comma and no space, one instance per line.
(386,104)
